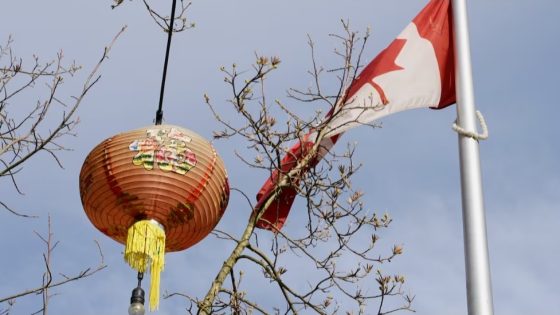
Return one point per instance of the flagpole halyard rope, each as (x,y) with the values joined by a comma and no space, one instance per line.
(475,135)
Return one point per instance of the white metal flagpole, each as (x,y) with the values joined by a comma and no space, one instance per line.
(477,266)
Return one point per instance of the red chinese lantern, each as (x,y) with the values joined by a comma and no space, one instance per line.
(156,189)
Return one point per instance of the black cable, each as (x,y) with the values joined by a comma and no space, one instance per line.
(159,113)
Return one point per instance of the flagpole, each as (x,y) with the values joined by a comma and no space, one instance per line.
(477,266)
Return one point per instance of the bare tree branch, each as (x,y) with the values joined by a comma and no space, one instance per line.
(338,226)
(48,282)
(22,137)
(164,22)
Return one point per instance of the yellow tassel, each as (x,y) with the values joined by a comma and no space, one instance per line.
(145,247)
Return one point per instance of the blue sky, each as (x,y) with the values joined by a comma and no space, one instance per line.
(410,165)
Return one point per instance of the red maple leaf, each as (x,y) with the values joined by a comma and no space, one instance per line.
(383,63)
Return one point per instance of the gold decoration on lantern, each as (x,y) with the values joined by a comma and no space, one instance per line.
(157,189)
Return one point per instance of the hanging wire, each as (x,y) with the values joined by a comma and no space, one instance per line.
(159,113)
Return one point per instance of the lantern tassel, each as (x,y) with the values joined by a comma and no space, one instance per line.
(145,247)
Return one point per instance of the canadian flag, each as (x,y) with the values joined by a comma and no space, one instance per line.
(415,70)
